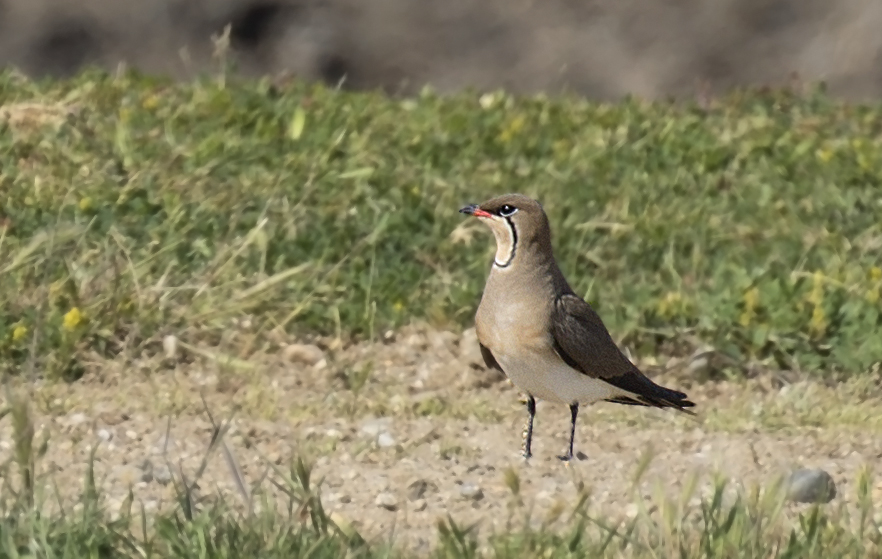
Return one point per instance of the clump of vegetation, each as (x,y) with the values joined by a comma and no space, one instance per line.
(131,208)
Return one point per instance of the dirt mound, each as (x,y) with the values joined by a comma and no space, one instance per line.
(599,48)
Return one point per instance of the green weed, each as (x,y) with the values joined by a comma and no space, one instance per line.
(134,208)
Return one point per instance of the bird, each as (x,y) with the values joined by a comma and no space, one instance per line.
(546,339)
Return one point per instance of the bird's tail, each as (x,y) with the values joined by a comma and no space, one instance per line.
(658,397)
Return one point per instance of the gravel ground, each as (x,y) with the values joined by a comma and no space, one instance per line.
(428,433)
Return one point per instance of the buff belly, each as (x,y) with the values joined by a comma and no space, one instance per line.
(546,377)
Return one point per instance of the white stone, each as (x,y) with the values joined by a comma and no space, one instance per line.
(170,346)
(307,354)
(386,501)
(385,440)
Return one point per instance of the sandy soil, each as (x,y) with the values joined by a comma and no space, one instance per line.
(429,432)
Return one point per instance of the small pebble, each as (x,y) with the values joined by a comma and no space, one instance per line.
(386,501)
(373,427)
(274,457)
(147,471)
(170,346)
(162,475)
(77,419)
(417,489)
(471,491)
(417,341)
(699,366)
(811,486)
(104,435)
(307,354)
(419,505)
(385,440)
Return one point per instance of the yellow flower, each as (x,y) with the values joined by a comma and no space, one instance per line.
(670,304)
(72,319)
(751,301)
(512,130)
(818,322)
(751,298)
(150,102)
(85,204)
(816,295)
(824,154)
(398,306)
(876,273)
(19,333)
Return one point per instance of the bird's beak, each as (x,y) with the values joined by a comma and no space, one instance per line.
(474,210)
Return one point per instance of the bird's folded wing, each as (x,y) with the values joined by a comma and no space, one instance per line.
(583,342)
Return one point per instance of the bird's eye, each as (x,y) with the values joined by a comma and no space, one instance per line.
(507,210)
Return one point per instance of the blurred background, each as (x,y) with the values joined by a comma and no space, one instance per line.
(599,48)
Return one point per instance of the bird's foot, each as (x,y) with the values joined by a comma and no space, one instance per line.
(565,457)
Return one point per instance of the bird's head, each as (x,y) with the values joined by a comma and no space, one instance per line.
(516,221)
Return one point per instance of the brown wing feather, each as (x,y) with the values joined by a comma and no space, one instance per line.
(584,343)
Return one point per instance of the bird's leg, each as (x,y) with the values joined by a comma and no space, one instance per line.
(528,428)
(574,411)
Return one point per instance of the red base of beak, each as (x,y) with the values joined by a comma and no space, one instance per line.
(475,211)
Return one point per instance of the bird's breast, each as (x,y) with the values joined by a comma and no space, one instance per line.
(509,325)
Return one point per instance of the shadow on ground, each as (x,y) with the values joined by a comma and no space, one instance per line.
(599,48)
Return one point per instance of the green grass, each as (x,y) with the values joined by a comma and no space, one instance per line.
(151,208)
(728,532)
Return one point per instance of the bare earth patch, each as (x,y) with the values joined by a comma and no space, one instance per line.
(406,431)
